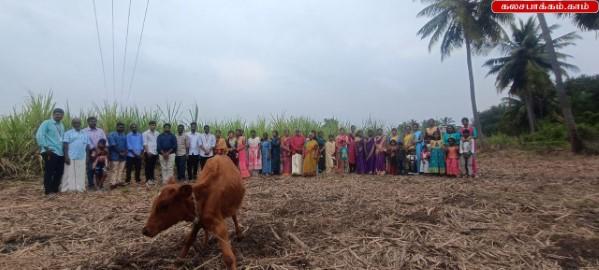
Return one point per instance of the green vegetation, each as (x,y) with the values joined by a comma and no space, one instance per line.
(508,125)
(19,151)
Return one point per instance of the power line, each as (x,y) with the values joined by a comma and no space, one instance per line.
(125,56)
(113,56)
(99,43)
(143,24)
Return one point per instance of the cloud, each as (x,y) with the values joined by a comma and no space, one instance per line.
(240,73)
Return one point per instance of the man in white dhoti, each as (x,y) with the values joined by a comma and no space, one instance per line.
(297,149)
(75,144)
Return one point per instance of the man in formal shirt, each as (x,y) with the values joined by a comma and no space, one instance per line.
(75,144)
(150,138)
(193,157)
(135,148)
(167,147)
(181,154)
(94,134)
(117,147)
(49,137)
(207,144)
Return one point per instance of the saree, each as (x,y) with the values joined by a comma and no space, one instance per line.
(265,148)
(379,155)
(351,145)
(322,163)
(360,156)
(286,156)
(275,155)
(242,157)
(255,163)
(311,155)
(369,161)
(436,164)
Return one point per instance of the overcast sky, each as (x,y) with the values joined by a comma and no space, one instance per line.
(350,59)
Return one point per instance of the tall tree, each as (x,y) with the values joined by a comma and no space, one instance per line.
(525,67)
(458,23)
(584,21)
(575,142)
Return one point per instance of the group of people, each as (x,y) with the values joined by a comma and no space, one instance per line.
(434,150)
(75,155)
(78,154)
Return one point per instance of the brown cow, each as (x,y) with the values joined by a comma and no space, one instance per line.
(216,195)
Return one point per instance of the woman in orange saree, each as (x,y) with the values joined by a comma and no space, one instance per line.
(311,155)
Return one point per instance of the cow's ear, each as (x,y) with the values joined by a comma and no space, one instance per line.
(184,191)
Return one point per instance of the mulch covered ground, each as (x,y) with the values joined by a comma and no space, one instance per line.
(525,211)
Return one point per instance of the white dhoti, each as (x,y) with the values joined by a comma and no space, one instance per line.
(167,167)
(74,177)
(297,164)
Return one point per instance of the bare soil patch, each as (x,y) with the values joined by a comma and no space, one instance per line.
(525,211)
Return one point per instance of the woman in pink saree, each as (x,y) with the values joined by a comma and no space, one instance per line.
(242,155)
(286,153)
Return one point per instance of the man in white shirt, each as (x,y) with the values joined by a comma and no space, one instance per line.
(193,157)
(207,143)
(150,139)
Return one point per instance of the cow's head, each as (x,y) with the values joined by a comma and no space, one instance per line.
(173,204)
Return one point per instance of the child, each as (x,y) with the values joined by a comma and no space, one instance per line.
(453,158)
(425,156)
(467,152)
(392,151)
(330,154)
(99,165)
(255,162)
(344,155)
(401,159)
(436,164)
(265,148)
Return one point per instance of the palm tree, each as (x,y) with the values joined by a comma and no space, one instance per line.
(525,66)
(462,22)
(584,21)
(446,121)
(564,101)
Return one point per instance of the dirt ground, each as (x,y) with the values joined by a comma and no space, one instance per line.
(525,211)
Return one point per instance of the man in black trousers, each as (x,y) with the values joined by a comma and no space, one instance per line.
(49,137)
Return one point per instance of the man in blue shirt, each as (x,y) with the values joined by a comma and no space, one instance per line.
(135,147)
(167,147)
(49,138)
(75,145)
(117,146)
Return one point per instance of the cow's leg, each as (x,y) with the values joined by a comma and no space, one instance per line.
(237,228)
(206,235)
(190,239)
(219,229)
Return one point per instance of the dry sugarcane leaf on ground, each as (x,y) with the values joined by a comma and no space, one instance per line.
(525,211)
